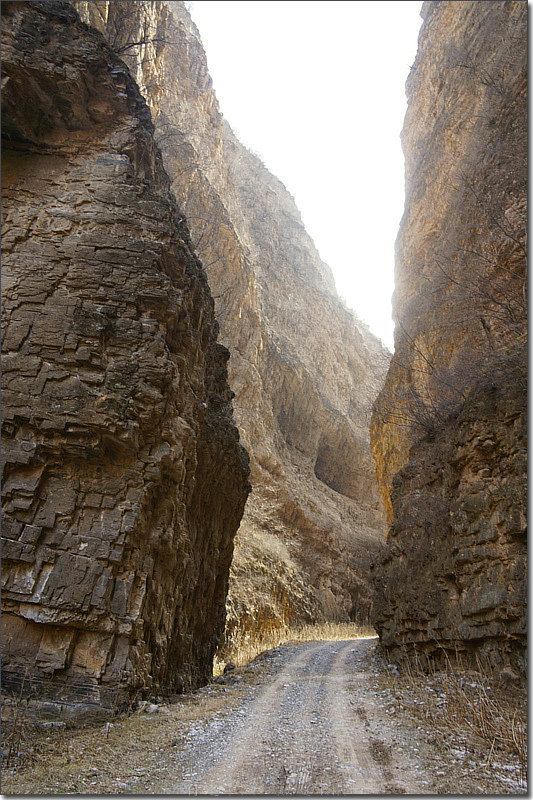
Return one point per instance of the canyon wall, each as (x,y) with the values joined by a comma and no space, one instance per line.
(304,371)
(123,479)
(448,429)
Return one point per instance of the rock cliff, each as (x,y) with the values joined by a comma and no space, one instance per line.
(124,480)
(305,372)
(448,430)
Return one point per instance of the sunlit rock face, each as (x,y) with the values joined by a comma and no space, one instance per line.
(448,430)
(305,372)
(124,481)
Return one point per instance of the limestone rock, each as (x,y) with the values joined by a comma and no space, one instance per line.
(124,480)
(305,372)
(448,427)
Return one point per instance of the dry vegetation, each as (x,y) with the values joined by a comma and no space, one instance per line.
(249,646)
(473,718)
(138,753)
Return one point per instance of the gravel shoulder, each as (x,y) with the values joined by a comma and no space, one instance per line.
(315,718)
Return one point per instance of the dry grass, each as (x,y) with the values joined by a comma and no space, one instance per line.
(132,754)
(471,707)
(249,646)
(488,716)
(331,631)
(14,734)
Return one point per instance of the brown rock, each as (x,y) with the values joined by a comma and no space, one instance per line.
(124,481)
(448,430)
(453,575)
(508,675)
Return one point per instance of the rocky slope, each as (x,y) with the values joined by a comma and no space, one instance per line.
(124,481)
(448,429)
(304,371)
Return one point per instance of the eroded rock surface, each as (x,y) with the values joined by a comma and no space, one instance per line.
(448,429)
(304,370)
(124,480)
(454,571)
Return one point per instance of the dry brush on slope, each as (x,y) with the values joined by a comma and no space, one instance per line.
(124,480)
(448,431)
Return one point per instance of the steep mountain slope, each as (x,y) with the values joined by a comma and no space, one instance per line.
(303,369)
(448,432)
(123,479)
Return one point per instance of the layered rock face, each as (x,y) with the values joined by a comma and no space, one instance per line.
(124,480)
(448,431)
(304,370)
(453,576)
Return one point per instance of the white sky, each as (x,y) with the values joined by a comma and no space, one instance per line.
(317,90)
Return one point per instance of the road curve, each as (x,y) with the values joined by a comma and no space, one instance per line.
(314,728)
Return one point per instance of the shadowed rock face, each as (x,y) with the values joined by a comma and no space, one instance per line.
(124,481)
(453,576)
(305,372)
(448,430)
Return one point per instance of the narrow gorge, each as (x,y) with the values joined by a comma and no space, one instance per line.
(305,372)
(124,482)
(202,445)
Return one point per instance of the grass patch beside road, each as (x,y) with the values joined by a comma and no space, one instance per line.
(249,646)
(134,753)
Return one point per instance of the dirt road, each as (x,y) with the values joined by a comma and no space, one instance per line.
(326,718)
(314,729)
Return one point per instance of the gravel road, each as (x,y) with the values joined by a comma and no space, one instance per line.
(327,717)
(314,728)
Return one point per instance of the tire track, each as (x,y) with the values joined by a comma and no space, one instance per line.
(314,729)
(266,752)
